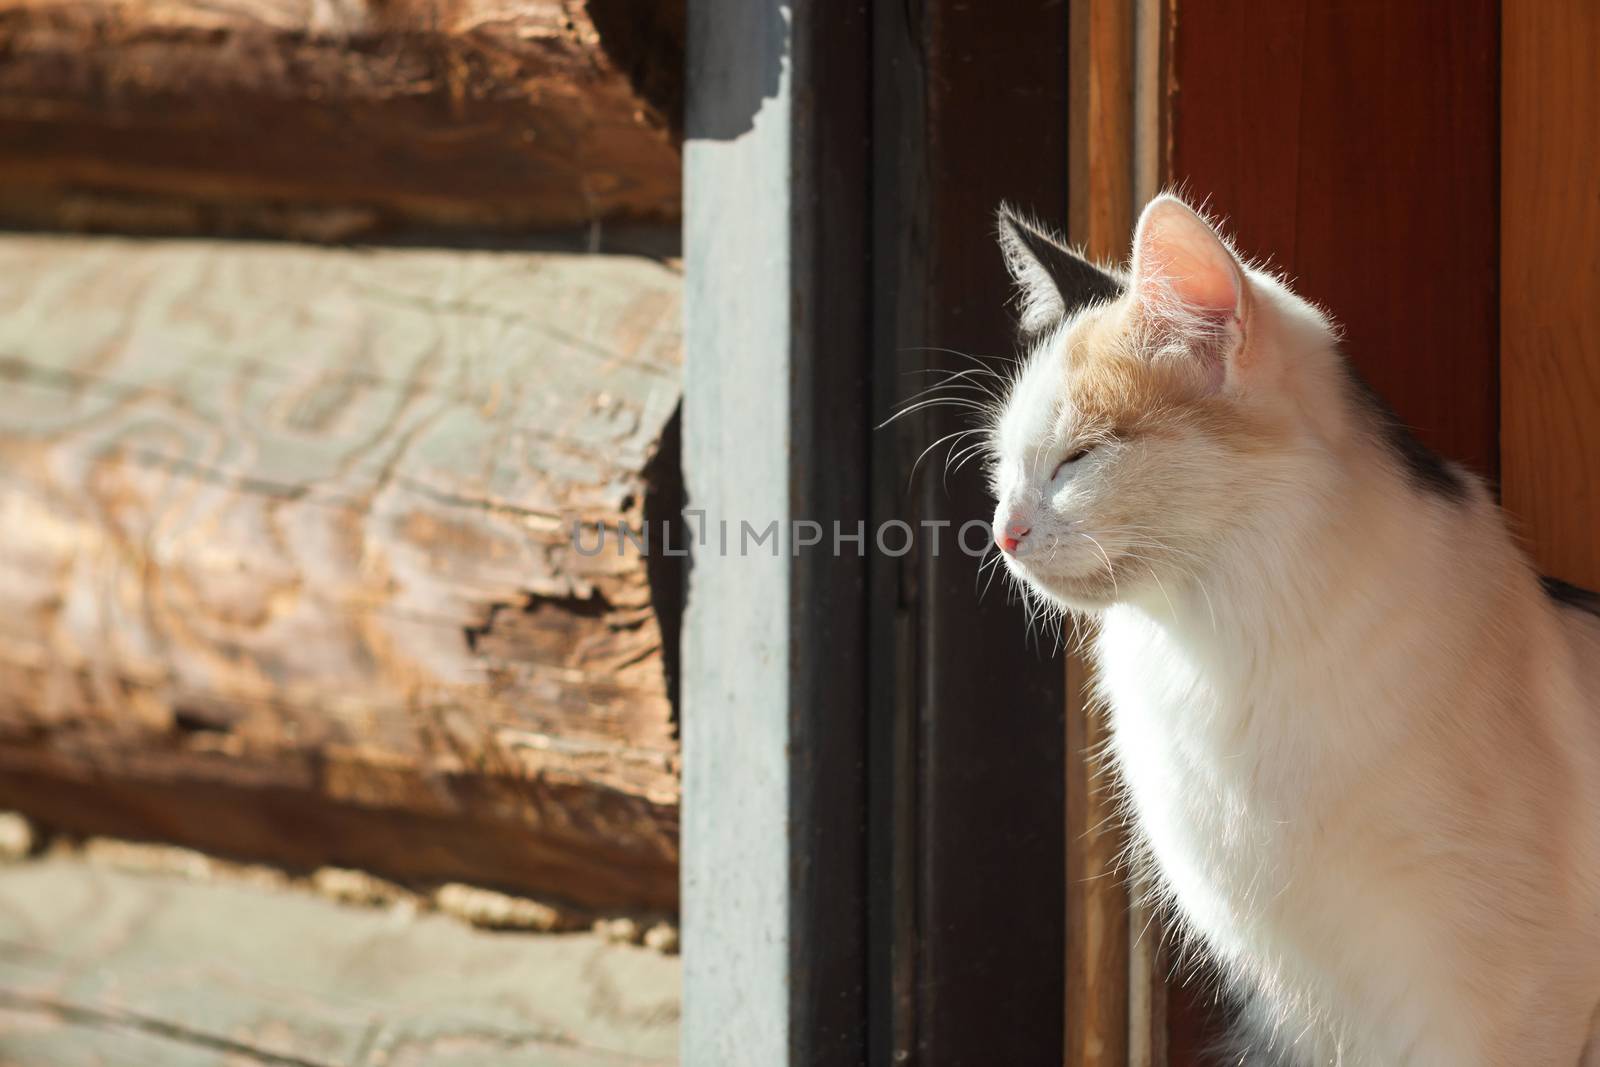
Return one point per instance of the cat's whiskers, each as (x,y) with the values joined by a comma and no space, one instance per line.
(933,402)
(1191,575)
(982,361)
(975,377)
(956,436)
(972,377)
(1157,579)
(992,565)
(1111,571)
(961,458)
(958,382)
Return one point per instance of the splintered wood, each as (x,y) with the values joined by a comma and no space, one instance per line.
(323,120)
(289,567)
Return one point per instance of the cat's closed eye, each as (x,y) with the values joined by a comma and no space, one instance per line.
(1071,458)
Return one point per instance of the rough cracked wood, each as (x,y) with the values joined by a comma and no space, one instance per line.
(326,119)
(288,564)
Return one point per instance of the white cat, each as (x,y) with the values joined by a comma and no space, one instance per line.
(1358,739)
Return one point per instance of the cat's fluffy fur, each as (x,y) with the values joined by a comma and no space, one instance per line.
(1357,739)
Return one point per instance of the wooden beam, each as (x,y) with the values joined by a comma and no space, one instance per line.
(1104,123)
(327,120)
(775,432)
(1549,318)
(1149,965)
(290,556)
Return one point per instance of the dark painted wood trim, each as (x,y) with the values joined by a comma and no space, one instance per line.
(829,459)
(970,108)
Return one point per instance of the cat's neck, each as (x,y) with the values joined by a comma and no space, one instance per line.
(1360,575)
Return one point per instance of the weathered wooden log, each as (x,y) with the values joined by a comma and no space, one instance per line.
(287,565)
(327,119)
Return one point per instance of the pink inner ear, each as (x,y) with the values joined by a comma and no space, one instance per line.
(1177,250)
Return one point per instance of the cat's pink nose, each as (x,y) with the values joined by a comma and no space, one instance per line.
(1009,538)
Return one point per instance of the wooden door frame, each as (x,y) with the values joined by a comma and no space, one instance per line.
(1116,982)
(970,107)
(873,765)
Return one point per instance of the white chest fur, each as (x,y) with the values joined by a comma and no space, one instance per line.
(1192,773)
(1263,825)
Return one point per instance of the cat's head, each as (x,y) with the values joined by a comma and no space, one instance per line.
(1159,409)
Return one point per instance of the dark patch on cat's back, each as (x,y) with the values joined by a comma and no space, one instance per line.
(1573,596)
(1426,469)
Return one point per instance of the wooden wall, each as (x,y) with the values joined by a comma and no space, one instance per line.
(289,569)
(324,121)
(1356,146)
(1550,283)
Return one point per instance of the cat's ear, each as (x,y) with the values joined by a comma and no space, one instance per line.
(1188,281)
(1179,259)
(1052,279)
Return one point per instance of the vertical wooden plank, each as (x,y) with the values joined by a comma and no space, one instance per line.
(1148,963)
(1101,124)
(773,687)
(1101,194)
(1097,1019)
(1550,310)
(1355,146)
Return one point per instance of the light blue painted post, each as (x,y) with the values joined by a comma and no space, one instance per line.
(775,430)
(736,446)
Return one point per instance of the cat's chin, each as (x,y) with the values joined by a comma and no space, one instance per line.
(1087,594)
(1088,605)
(1086,601)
